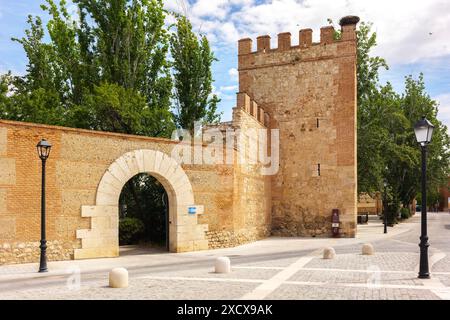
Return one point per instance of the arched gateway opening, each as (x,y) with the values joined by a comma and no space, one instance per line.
(184,232)
(143,215)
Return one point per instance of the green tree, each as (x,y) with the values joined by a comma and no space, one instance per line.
(111,107)
(192,59)
(128,43)
(417,103)
(370,112)
(112,47)
(388,154)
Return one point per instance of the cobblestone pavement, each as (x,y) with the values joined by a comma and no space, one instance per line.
(276,268)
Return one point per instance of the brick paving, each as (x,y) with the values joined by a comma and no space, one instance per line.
(294,292)
(145,289)
(371,277)
(270,269)
(384,261)
(442,265)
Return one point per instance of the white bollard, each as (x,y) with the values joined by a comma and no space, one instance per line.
(223,265)
(367,249)
(329,253)
(118,278)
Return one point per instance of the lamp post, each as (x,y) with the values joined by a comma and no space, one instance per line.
(385,222)
(43,149)
(424,131)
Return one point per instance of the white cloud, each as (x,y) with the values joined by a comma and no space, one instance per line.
(227,97)
(72,9)
(229,33)
(224,96)
(403,26)
(233,73)
(228,88)
(210,8)
(241,2)
(180,6)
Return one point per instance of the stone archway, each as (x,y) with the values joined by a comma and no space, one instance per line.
(102,239)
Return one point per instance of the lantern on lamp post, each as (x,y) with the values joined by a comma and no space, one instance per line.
(43,149)
(423,130)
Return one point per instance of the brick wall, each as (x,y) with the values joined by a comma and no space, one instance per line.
(78,160)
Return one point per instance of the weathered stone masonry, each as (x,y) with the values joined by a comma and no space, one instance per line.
(307,91)
(85,174)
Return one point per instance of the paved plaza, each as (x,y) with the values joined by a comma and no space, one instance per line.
(275,268)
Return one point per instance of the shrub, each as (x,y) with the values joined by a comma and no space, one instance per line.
(405,213)
(130,230)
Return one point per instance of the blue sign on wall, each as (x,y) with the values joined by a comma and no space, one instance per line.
(192,210)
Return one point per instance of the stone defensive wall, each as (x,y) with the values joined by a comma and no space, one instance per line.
(308,92)
(86,171)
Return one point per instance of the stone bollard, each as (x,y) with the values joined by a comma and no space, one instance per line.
(367,249)
(329,253)
(223,265)
(118,278)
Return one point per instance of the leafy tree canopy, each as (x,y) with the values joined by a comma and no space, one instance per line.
(192,59)
(112,49)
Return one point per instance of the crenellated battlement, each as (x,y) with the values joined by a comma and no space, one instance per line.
(245,103)
(348,32)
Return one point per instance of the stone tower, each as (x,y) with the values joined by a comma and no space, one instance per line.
(308,91)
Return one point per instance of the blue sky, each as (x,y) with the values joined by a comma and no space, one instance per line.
(412,35)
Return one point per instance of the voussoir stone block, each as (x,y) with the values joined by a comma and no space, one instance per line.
(367,249)
(171,171)
(105,187)
(122,163)
(222,265)
(107,199)
(139,155)
(118,278)
(117,172)
(149,160)
(329,253)
(131,162)
(164,166)
(110,179)
(158,160)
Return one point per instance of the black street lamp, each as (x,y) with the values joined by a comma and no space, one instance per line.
(43,149)
(385,222)
(424,131)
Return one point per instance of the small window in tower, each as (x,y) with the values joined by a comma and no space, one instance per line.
(318,169)
(317,122)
